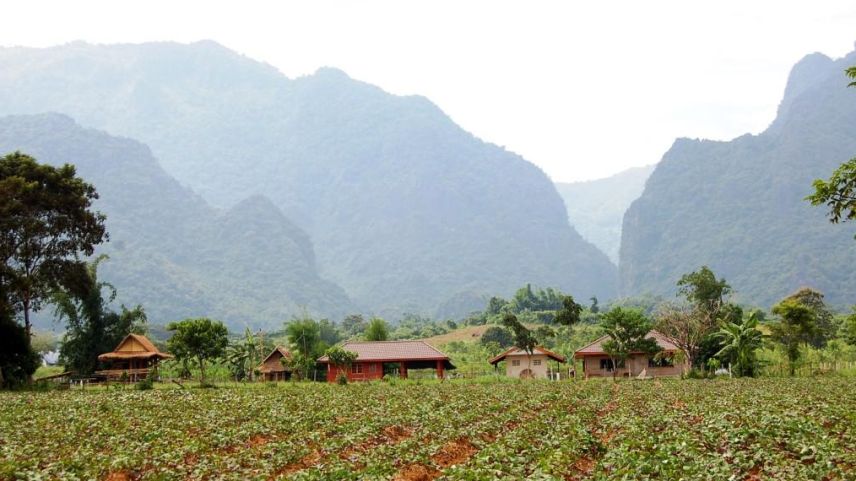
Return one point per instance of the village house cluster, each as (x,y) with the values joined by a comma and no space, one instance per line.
(136,357)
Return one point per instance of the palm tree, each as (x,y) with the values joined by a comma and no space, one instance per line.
(740,342)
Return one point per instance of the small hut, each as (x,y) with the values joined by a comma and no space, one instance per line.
(136,357)
(272,368)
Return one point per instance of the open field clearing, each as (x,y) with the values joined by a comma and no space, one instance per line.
(784,429)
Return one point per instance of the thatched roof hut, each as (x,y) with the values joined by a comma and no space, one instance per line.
(272,368)
(135,356)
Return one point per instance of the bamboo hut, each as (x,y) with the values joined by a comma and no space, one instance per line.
(272,368)
(136,357)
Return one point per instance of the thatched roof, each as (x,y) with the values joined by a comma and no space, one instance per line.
(515,351)
(596,347)
(134,346)
(272,362)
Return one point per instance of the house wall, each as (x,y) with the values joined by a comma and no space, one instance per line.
(538,371)
(367,371)
(636,363)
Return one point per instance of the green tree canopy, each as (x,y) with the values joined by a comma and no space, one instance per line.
(45,225)
(522,336)
(627,330)
(92,328)
(377,330)
(839,192)
(304,338)
(341,357)
(849,328)
(702,289)
(569,314)
(17,360)
(797,325)
(500,335)
(200,340)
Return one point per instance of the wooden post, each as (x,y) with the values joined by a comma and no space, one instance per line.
(403,370)
(440,366)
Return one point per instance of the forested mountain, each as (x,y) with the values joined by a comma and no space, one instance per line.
(596,207)
(406,210)
(172,252)
(739,206)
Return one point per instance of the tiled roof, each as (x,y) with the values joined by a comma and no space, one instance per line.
(519,352)
(392,351)
(596,347)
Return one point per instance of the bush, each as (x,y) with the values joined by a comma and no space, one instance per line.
(342,379)
(145,384)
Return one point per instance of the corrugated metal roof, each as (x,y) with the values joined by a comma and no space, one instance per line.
(392,351)
(596,347)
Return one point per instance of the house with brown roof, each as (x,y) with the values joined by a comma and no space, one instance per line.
(596,363)
(272,368)
(521,364)
(136,356)
(376,357)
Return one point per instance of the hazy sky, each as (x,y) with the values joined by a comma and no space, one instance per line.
(582,89)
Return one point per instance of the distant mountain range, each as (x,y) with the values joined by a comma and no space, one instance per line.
(739,206)
(172,252)
(596,207)
(403,209)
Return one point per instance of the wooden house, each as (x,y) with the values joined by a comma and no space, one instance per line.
(521,364)
(376,357)
(596,363)
(272,368)
(136,357)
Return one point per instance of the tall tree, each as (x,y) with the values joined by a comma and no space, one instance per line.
(377,330)
(690,325)
(627,330)
(92,328)
(17,360)
(740,341)
(849,328)
(201,340)
(304,338)
(839,192)
(45,225)
(797,325)
(569,314)
(522,336)
(702,289)
(825,326)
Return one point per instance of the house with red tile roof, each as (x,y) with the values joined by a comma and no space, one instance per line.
(596,363)
(374,357)
(521,364)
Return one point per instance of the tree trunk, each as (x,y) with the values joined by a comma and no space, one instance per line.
(202,370)
(27,326)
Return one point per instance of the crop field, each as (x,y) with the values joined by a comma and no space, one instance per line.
(782,429)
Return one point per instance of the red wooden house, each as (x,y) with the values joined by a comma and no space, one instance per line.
(373,357)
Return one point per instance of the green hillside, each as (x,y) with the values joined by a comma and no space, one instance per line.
(406,211)
(172,252)
(739,206)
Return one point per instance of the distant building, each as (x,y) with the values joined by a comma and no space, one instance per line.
(272,368)
(135,356)
(521,364)
(376,357)
(596,363)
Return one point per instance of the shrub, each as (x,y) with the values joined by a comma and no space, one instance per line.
(145,384)
(342,379)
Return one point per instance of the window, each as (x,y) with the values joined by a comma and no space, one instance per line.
(606,365)
(515,362)
(357,368)
(666,361)
(536,362)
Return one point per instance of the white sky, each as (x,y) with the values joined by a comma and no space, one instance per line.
(582,89)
